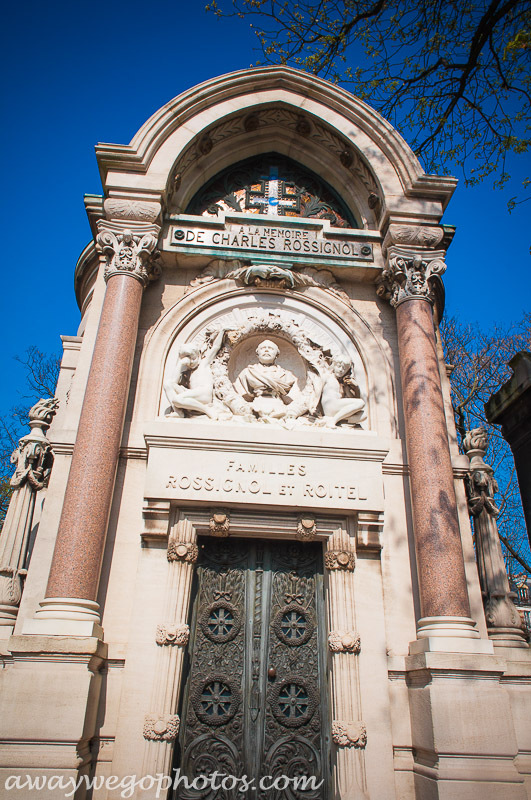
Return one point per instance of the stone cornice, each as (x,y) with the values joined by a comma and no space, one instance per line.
(412,235)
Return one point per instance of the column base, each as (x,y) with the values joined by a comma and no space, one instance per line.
(507,637)
(8,614)
(65,616)
(449,635)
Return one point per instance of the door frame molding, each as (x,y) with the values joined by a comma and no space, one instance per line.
(342,537)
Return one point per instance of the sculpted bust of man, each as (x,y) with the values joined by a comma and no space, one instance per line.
(265,379)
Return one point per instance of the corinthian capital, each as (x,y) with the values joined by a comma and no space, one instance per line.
(130,251)
(406,277)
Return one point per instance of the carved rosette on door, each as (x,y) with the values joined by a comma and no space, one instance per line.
(255,702)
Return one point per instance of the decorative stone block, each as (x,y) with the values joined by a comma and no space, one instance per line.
(160,727)
(219,524)
(349,734)
(182,551)
(172,633)
(339,559)
(344,642)
(306,529)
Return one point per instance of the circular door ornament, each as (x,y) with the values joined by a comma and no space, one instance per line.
(293,702)
(216,700)
(293,625)
(221,622)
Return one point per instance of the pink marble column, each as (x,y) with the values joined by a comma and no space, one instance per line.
(74,576)
(408,283)
(442,582)
(81,536)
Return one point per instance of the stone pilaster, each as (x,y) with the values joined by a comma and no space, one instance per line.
(347,730)
(409,282)
(128,252)
(504,625)
(34,459)
(161,723)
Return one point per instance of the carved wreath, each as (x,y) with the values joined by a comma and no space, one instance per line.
(287,329)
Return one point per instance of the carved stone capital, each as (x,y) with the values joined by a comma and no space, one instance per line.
(161,727)
(406,277)
(306,528)
(130,251)
(412,235)
(219,523)
(344,642)
(33,456)
(349,734)
(339,559)
(480,482)
(182,551)
(172,633)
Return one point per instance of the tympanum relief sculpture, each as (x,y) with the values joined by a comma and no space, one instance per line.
(267,370)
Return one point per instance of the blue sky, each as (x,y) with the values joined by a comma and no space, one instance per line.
(76,74)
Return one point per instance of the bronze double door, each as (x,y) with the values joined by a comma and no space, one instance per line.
(254,711)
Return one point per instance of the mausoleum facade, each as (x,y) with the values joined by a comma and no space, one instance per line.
(239,542)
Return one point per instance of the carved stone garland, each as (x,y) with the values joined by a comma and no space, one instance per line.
(349,734)
(219,523)
(306,528)
(339,559)
(161,728)
(269,276)
(344,642)
(172,633)
(34,459)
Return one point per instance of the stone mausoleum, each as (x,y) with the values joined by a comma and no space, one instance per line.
(239,542)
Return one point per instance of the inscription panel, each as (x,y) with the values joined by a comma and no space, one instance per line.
(302,242)
(263,479)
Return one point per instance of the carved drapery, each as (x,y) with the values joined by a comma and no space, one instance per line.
(504,624)
(34,459)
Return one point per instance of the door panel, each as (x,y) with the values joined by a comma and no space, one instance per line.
(255,699)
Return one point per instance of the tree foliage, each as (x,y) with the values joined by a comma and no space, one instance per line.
(451,75)
(41,373)
(479,359)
